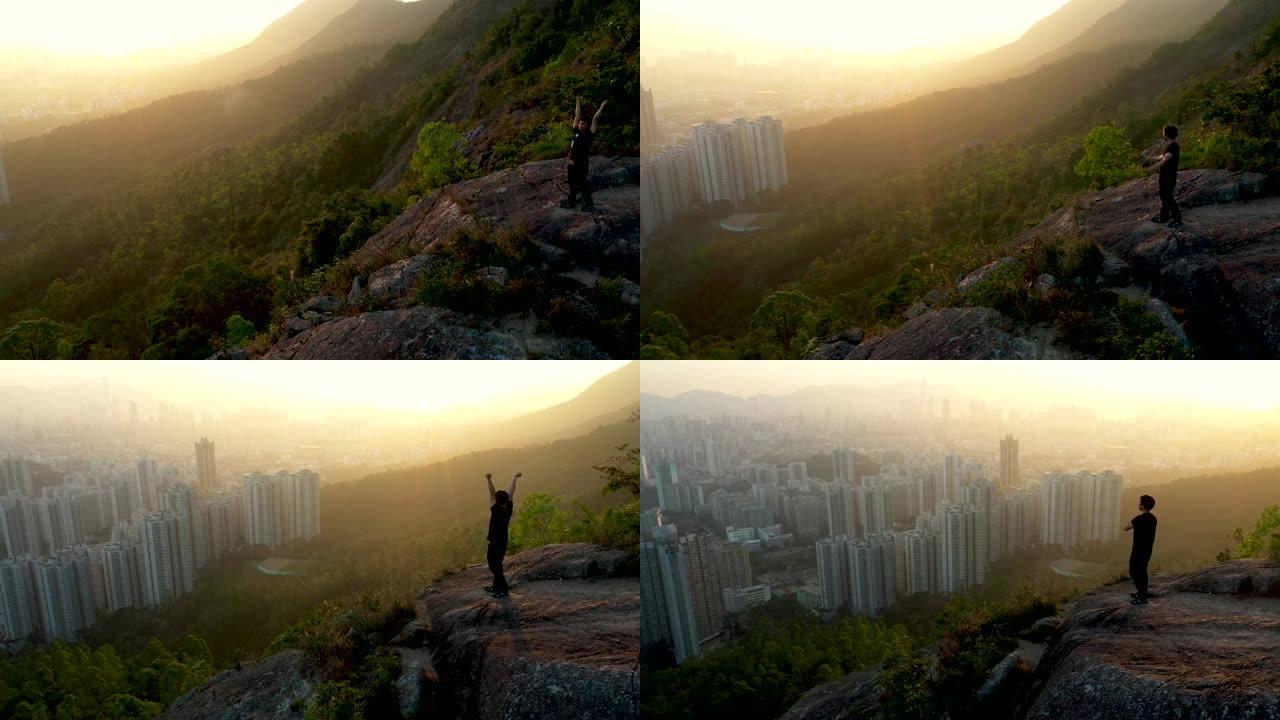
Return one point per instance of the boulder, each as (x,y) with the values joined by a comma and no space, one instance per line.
(837,346)
(981,274)
(277,688)
(855,695)
(1207,645)
(323,304)
(413,333)
(416,683)
(967,333)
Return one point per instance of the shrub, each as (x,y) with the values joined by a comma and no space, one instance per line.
(1109,158)
(439,159)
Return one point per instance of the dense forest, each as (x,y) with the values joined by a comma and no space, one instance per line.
(227,242)
(862,252)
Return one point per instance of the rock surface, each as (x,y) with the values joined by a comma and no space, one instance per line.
(564,645)
(956,333)
(853,697)
(1208,645)
(381,317)
(1214,283)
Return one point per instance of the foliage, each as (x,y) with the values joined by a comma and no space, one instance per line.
(622,472)
(538,522)
(783,317)
(346,221)
(32,340)
(1109,158)
(439,159)
(762,673)
(1263,541)
(79,681)
(239,330)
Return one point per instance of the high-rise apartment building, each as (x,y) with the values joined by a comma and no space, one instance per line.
(1008,461)
(206,467)
(18,615)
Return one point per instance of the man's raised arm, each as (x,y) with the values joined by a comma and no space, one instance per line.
(488,477)
(577,112)
(512,492)
(595,119)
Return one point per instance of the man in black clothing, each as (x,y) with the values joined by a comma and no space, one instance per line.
(1168,169)
(501,505)
(1144,538)
(580,157)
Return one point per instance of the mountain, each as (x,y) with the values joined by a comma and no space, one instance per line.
(564,645)
(908,135)
(416,501)
(281,37)
(371,22)
(611,399)
(1137,20)
(1051,33)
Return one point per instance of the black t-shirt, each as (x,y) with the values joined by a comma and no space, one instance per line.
(1169,170)
(580,150)
(499,518)
(1144,534)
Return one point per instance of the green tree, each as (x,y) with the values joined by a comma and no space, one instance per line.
(782,316)
(239,330)
(439,159)
(1264,540)
(1109,158)
(539,521)
(32,340)
(665,338)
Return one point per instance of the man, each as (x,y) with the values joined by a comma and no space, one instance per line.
(1144,537)
(580,157)
(1168,169)
(501,505)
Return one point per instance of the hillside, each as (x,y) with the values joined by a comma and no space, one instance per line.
(418,500)
(160,268)
(907,135)
(564,644)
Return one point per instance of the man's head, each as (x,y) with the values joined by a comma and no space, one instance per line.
(1170,132)
(502,497)
(582,125)
(1146,502)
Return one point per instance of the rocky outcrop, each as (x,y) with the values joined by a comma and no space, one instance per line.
(1207,645)
(1214,283)
(1220,272)
(855,696)
(380,316)
(564,645)
(958,333)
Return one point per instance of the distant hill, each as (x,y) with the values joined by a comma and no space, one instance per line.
(917,131)
(371,22)
(1134,21)
(416,501)
(609,400)
(280,38)
(1048,35)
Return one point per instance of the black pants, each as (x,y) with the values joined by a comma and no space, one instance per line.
(579,182)
(1168,205)
(1138,571)
(497,551)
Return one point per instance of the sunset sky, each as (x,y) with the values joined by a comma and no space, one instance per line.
(477,388)
(117,27)
(760,31)
(1116,389)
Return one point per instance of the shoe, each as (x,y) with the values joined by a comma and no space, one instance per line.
(1159,220)
(500,595)
(588,208)
(568,205)
(1175,224)
(1138,601)
(489,588)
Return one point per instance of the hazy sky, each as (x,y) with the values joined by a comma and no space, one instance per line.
(760,30)
(114,27)
(496,387)
(1116,389)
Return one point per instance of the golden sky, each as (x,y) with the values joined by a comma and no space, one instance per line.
(763,30)
(117,27)
(486,388)
(1116,389)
